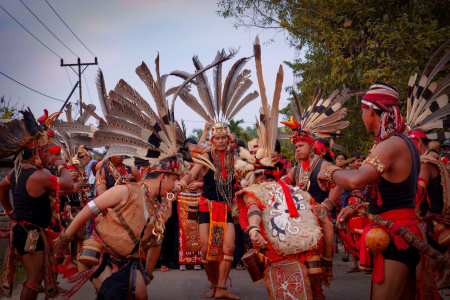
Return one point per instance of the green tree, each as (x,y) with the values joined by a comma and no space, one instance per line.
(6,110)
(196,134)
(350,44)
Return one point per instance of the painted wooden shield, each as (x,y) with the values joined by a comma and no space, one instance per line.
(288,235)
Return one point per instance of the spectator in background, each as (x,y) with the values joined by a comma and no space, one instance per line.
(434,145)
(339,160)
(282,163)
(323,146)
(89,167)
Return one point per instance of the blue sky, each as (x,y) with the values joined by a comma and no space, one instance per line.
(122,34)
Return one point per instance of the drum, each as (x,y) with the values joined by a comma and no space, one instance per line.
(192,212)
(313,265)
(192,200)
(254,267)
(90,253)
(443,234)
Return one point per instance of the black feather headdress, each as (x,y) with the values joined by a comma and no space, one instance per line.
(131,125)
(428,103)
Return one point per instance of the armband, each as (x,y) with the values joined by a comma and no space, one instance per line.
(100,181)
(55,181)
(254,212)
(376,163)
(94,207)
(423,183)
(62,166)
(328,173)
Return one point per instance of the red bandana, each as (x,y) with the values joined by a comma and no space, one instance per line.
(54,150)
(320,146)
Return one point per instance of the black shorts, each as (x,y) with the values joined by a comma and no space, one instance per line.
(410,257)
(20,238)
(116,286)
(203,217)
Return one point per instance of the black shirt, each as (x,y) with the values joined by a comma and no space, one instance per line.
(396,195)
(210,190)
(36,211)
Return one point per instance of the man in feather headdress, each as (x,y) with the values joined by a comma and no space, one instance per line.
(305,174)
(216,228)
(391,170)
(32,209)
(131,223)
(115,172)
(433,195)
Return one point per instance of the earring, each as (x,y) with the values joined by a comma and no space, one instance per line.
(37,160)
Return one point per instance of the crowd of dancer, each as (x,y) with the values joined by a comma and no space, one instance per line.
(157,197)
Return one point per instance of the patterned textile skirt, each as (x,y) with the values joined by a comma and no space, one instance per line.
(189,236)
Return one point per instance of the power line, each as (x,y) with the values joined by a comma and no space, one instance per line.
(69,28)
(90,99)
(30,32)
(31,88)
(47,28)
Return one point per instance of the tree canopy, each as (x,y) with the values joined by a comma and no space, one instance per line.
(350,44)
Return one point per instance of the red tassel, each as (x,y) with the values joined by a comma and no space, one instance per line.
(289,201)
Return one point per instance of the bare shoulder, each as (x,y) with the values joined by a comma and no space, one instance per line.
(325,164)
(40,175)
(394,144)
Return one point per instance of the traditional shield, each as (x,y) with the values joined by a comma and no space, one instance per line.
(288,235)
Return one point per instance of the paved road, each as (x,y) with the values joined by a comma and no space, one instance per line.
(192,284)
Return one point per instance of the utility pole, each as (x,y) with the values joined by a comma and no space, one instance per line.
(79,64)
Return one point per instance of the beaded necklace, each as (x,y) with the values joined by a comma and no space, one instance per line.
(156,208)
(224,176)
(118,175)
(28,164)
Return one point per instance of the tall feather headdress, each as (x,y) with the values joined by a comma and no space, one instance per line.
(267,124)
(321,119)
(227,99)
(133,128)
(72,135)
(427,103)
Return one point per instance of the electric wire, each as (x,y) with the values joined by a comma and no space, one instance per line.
(29,32)
(87,87)
(47,28)
(69,28)
(31,88)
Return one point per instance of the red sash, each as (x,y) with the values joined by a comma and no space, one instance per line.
(405,217)
(217,229)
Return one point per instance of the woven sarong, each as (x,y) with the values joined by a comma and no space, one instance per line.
(189,235)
